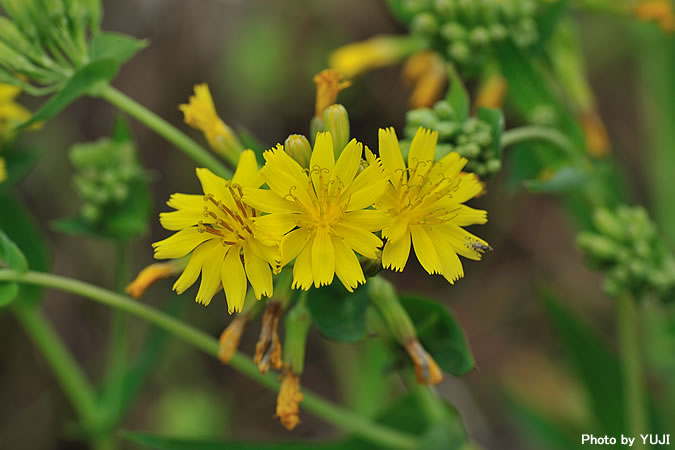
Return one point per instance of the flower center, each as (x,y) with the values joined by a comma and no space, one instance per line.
(233,223)
(327,202)
(419,199)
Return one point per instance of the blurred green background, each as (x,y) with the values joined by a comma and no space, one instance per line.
(258,58)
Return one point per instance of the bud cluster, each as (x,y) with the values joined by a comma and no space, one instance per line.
(471,138)
(105,171)
(464,30)
(628,248)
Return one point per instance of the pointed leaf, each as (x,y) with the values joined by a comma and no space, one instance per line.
(458,97)
(337,314)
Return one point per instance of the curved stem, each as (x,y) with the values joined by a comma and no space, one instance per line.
(164,129)
(322,408)
(635,405)
(530,133)
(73,382)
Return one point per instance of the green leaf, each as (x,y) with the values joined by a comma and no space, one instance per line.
(114,46)
(126,220)
(18,163)
(594,362)
(440,334)
(458,97)
(397,8)
(20,227)
(565,179)
(10,257)
(83,81)
(548,18)
(494,118)
(338,314)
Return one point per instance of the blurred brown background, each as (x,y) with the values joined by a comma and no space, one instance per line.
(259,58)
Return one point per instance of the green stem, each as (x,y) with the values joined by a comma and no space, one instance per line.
(537,133)
(635,405)
(322,408)
(73,382)
(195,151)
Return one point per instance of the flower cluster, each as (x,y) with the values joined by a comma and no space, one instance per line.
(472,138)
(464,31)
(106,170)
(322,218)
(627,246)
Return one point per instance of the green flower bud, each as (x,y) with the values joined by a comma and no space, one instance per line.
(90,212)
(415,6)
(336,120)
(444,110)
(471,150)
(608,224)
(459,51)
(424,23)
(446,8)
(297,146)
(120,192)
(483,138)
(597,246)
(479,36)
(452,31)
(493,166)
(297,322)
(371,267)
(423,117)
(446,130)
(463,139)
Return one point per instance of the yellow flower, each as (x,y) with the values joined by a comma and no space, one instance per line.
(326,209)
(200,113)
(659,11)
(11,113)
(425,204)
(221,232)
(328,85)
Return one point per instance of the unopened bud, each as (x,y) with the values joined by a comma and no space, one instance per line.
(297,146)
(370,266)
(426,369)
(152,274)
(336,121)
(608,224)
(597,246)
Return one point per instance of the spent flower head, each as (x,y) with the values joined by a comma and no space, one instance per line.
(222,234)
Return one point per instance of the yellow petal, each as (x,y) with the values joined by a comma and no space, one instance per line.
(194,265)
(348,163)
(425,250)
(284,176)
(368,219)
(180,244)
(177,220)
(461,240)
(390,154)
(469,216)
(267,200)
(247,171)
(302,268)
(323,259)
(233,278)
(469,187)
(395,254)
(213,184)
(362,241)
(322,161)
(258,273)
(396,229)
(347,267)
(367,187)
(276,224)
(210,283)
(422,148)
(293,243)
(452,266)
(186,201)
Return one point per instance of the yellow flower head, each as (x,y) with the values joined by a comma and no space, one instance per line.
(328,85)
(200,113)
(220,231)
(659,11)
(425,204)
(322,212)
